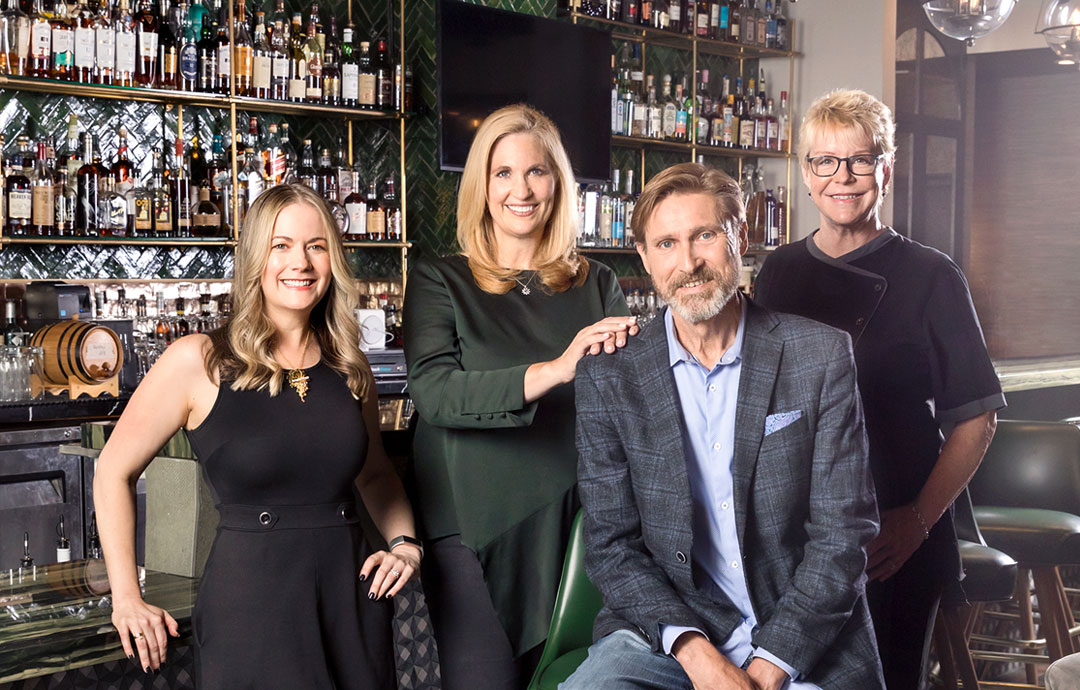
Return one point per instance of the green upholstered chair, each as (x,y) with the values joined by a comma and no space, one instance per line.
(576,606)
(1027,504)
(989,576)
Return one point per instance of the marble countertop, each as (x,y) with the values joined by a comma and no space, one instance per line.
(1043,372)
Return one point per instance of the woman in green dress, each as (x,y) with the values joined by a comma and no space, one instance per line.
(492,339)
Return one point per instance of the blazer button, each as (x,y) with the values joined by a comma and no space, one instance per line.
(680,557)
(860,321)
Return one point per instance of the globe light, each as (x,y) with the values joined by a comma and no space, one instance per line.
(967,20)
(1059,24)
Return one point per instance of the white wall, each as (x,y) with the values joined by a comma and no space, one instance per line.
(845,43)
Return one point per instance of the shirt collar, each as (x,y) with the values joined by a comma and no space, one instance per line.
(869,248)
(677,353)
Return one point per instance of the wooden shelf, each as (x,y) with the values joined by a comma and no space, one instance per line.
(205,100)
(125,241)
(735,152)
(644,143)
(372,244)
(607,250)
(640,33)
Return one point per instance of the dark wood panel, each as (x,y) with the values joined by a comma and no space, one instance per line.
(1025,213)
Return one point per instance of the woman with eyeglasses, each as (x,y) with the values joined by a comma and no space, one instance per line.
(928,387)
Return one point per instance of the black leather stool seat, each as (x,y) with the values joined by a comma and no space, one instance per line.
(1032,536)
(989,574)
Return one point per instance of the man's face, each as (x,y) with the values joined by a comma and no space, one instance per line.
(692,259)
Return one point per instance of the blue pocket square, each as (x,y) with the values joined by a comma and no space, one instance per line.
(776,422)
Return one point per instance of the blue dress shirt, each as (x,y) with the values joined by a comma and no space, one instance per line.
(708,400)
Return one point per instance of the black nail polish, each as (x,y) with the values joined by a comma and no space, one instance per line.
(371,595)
(131,657)
(363,577)
(389,596)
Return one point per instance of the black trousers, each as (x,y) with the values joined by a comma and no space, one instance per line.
(474,651)
(903,609)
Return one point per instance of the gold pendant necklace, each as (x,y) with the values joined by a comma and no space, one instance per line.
(298,380)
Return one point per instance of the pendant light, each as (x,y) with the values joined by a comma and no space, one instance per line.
(1059,24)
(967,20)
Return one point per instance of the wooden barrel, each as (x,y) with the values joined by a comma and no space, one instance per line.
(81,350)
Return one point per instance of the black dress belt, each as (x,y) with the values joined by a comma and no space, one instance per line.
(265,518)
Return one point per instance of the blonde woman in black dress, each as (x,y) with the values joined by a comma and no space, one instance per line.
(281,409)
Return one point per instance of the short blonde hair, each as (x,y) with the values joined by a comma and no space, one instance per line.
(849,109)
(557,260)
(691,178)
(242,351)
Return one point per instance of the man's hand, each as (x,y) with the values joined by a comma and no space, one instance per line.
(707,668)
(766,674)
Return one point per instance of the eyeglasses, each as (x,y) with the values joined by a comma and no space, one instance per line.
(859,164)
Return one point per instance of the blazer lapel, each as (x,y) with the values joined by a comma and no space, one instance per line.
(760,366)
(658,386)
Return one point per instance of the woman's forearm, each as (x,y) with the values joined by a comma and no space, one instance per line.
(960,457)
(386,502)
(114,504)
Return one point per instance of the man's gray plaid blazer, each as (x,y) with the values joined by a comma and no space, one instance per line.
(804,498)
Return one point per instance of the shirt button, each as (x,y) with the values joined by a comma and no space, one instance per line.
(877,287)
(724,505)
(860,321)
(735,565)
(712,386)
(680,557)
(716,446)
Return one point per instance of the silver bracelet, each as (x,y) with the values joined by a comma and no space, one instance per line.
(922,522)
(403,539)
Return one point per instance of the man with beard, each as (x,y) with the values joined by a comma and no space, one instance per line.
(723,471)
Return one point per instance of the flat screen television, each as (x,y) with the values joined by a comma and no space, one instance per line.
(488,58)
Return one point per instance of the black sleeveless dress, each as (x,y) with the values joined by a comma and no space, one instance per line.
(280,605)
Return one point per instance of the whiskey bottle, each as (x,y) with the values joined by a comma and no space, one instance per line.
(205,219)
(783,124)
(384,78)
(280,64)
(168,61)
(350,70)
(126,53)
(104,45)
(180,193)
(343,172)
(19,196)
(297,61)
(251,178)
(313,72)
(88,185)
(147,27)
(181,325)
(762,22)
(242,54)
(670,111)
(356,207)
(735,20)
(162,201)
(112,210)
(188,68)
(208,57)
(262,60)
(392,211)
(63,43)
(140,212)
(326,181)
(15,33)
(289,152)
(65,201)
(83,23)
(39,63)
(366,82)
(275,157)
(224,49)
(375,221)
(772,128)
(43,214)
(123,170)
(306,174)
(332,67)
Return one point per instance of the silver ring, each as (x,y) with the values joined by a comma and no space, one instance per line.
(394,572)
(138,636)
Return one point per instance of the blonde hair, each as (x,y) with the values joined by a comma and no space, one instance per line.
(558,264)
(849,109)
(243,349)
(691,178)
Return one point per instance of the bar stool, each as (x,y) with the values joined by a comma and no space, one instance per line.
(989,576)
(1027,501)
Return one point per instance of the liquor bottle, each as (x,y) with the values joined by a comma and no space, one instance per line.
(630,203)
(618,217)
(39,62)
(702,17)
(251,178)
(89,181)
(63,43)
(279,64)
(65,201)
(168,61)
(104,45)
(676,15)
(297,62)
(669,113)
(350,69)
(262,61)
(147,27)
(289,152)
(780,215)
(384,78)
(629,11)
(306,174)
(356,207)
(366,82)
(18,193)
(326,183)
(683,114)
(761,125)
(783,30)
(13,334)
(723,30)
(762,22)
(748,30)
(208,57)
(746,125)
(112,210)
(123,170)
(714,19)
(140,212)
(83,58)
(217,173)
(162,201)
(313,72)
(604,235)
(332,67)
(182,327)
(243,66)
(656,111)
(180,193)
(188,77)
(645,12)
(772,128)
(661,15)
(15,33)
(375,220)
(275,158)
(735,20)
(124,70)
(195,163)
(392,211)
(224,49)
(783,124)
(273,26)
(729,124)
(771,23)
(205,219)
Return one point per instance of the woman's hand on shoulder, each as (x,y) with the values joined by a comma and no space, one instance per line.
(606,335)
(144,630)
(390,570)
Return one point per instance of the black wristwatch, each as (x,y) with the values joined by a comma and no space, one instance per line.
(402,539)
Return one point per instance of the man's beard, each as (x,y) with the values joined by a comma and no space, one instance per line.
(703,306)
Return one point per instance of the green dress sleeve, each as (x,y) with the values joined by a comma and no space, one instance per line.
(444,392)
(614,299)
